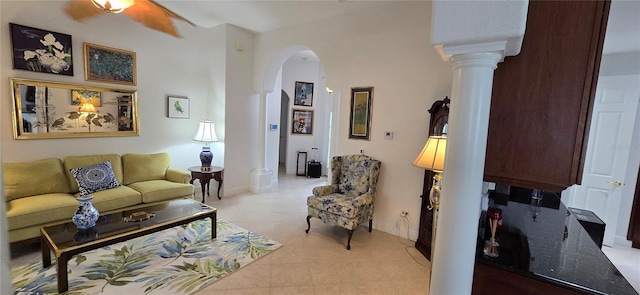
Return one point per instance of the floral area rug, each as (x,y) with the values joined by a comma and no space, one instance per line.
(179,260)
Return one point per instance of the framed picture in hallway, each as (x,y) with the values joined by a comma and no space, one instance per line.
(302,122)
(360,115)
(304,94)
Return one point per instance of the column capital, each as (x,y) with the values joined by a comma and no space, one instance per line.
(447,51)
(479,59)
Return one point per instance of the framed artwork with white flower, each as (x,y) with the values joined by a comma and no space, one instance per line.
(40,50)
(109,65)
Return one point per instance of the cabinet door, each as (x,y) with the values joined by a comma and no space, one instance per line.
(542,97)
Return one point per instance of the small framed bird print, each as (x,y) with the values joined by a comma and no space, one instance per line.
(177,107)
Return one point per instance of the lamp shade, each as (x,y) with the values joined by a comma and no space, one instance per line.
(433,153)
(206,132)
(87,107)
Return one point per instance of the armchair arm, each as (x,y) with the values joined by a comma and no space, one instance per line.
(362,200)
(176,175)
(323,190)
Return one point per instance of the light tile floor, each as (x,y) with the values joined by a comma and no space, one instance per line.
(318,262)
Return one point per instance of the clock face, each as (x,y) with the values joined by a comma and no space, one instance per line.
(440,126)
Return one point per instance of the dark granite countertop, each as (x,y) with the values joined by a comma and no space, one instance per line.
(552,247)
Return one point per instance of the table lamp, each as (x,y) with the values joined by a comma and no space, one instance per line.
(206,133)
(432,158)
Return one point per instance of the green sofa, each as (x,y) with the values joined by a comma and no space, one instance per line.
(42,193)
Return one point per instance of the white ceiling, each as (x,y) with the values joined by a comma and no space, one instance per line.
(623,30)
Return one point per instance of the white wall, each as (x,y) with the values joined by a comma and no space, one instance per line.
(204,66)
(619,65)
(274,109)
(386,47)
(241,109)
(165,66)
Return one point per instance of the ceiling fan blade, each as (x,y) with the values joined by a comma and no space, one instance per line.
(172,14)
(154,16)
(80,10)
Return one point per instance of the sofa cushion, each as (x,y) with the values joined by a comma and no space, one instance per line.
(161,190)
(95,178)
(40,209)
(115,198)
(72,162)
(34,178)
(143,167)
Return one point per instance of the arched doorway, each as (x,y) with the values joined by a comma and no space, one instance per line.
(291,65)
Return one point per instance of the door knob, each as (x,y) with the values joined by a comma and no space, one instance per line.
(616,183)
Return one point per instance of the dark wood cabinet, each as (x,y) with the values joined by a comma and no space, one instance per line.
(488,280)
(542,98)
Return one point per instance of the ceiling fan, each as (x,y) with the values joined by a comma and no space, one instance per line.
(146,12)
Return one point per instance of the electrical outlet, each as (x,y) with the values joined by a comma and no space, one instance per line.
(404,214)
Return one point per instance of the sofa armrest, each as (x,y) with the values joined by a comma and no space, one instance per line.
(176,175)
(323,190)
(362,200)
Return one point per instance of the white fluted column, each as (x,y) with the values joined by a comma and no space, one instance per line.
(261,177)
(454,257)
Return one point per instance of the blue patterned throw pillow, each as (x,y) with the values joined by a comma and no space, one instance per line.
(95,178)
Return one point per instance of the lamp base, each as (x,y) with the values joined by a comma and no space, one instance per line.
(206,157)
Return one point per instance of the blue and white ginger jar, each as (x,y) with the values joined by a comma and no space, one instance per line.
(86,215)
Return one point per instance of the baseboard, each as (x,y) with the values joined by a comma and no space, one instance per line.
(622,241)
(397,229)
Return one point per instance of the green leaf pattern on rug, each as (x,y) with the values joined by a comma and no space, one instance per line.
(250,243)
(127,262)
(180,260)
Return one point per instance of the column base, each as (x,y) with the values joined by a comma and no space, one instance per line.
(260,181)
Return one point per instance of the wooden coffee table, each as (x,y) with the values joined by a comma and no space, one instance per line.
(66,241)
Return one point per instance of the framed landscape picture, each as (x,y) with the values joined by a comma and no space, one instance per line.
(302,122)
(178,107)
(304,94)
(110,65)
(360,116)
(41,50)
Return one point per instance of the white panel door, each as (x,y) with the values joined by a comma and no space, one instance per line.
(608,148)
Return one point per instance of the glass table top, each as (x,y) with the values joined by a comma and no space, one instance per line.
(118,223)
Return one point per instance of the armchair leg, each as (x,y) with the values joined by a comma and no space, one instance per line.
(370,224)
(308,224)
(350,233)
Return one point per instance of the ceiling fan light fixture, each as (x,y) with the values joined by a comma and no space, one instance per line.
(112,6)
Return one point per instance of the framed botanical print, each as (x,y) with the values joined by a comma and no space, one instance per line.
(304,94)
(360,116)
(302,122)
(41,50)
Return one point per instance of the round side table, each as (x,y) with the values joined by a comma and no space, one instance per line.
(204,177)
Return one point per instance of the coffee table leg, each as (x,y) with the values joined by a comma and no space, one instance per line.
(214,225)
(46,252)
(61,267)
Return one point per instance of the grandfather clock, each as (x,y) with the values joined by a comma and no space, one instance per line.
(437,126)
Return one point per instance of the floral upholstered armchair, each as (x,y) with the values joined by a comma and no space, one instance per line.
(348,201)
